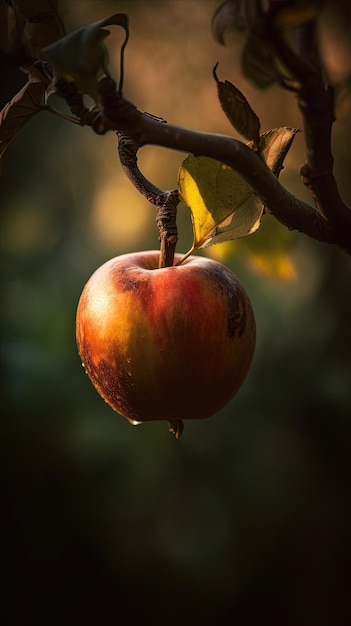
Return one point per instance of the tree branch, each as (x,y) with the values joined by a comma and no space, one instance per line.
(166,201)
(317,109)
(121,115)
(316,103)
(127,150)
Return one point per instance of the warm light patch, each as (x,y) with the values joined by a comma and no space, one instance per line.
(120,216)
(278,266)
(223,252)
(335,46)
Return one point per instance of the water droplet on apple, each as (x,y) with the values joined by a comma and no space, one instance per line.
(133,422)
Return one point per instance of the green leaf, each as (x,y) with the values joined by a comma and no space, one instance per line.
(26,103)
(223,206)
(81,56)
(238,111)
(274,146)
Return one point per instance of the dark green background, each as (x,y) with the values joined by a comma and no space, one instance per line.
(245,519)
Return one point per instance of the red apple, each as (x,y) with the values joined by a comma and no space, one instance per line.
(165,344)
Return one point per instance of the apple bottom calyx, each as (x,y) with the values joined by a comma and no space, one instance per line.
(170,344)
(175,427)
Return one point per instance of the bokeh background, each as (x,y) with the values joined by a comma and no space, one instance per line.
(246,518)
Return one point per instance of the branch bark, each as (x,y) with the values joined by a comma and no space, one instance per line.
(166,201)
(316,103)
(121,115)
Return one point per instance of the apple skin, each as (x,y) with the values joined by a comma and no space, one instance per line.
(165,344)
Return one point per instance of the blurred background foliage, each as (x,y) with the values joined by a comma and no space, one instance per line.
(246,518)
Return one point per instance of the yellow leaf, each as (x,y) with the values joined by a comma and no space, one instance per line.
(223,206)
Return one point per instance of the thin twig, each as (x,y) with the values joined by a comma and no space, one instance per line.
(127,150)
(166,201)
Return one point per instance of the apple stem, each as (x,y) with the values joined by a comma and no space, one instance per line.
(184,258)
(176,428)
(167,226)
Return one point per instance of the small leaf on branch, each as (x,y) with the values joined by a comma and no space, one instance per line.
(26,103)
(238,111)
(82,57)
(274,146)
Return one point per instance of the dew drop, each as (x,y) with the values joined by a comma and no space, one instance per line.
(133,422)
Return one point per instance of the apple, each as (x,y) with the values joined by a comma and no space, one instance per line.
(172,344)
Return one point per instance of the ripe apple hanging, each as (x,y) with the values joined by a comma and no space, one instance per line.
(172,344)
